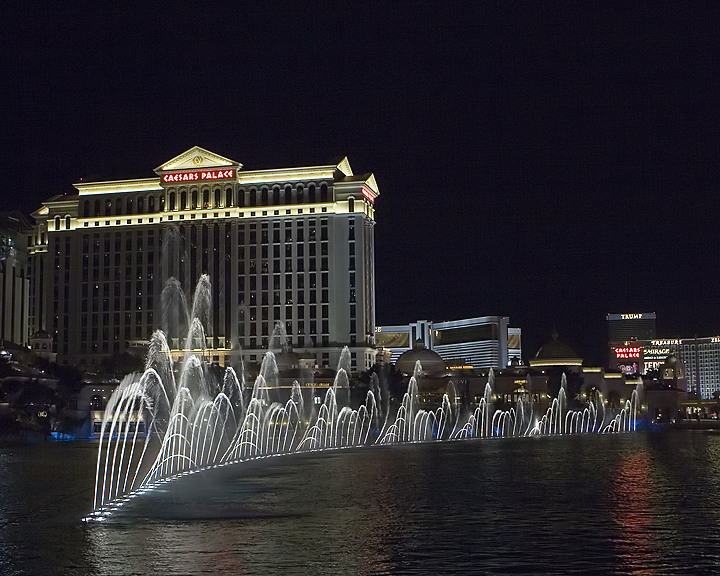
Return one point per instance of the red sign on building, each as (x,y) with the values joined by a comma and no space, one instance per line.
(632,352)
(199,175)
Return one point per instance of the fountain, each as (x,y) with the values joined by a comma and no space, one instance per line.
(195,421)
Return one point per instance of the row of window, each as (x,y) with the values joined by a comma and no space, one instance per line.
(194,199)
(253,233)
(150,203)
(298,341)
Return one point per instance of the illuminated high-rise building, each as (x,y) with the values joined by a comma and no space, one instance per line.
(482,342)
(629,327)
(292,247)
(14,281)
(701,357)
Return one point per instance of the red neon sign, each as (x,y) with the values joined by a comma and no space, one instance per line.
(627,352)
(199,175)
(368,195)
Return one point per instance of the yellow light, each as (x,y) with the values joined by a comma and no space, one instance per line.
(284,174)
(111,187)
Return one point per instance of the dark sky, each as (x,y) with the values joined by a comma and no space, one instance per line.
(549,161)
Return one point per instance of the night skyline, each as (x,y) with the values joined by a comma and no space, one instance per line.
(550,163)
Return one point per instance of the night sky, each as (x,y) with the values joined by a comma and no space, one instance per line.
(548,161)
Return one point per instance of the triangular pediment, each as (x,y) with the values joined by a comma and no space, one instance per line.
(196,158)
(344,167)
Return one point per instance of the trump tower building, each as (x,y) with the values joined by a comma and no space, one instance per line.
(289,248)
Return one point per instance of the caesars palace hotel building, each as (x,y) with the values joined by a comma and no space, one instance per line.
(115,261)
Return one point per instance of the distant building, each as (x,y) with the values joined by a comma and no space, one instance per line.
(636,326)
(623,331)
(41,346)
(556,355)
(482,342)
(14,280)
(666,394)
(539,381)
(700,357)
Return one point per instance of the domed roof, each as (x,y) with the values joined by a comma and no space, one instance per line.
(431,362)
(556,352)
(40,335)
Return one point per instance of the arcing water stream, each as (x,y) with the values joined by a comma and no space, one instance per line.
(167,423)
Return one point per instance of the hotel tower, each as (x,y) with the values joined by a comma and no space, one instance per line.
(289,247)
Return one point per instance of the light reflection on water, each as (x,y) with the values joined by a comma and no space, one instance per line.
(623,504)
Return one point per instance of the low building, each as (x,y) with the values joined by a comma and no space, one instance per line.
(481,342)
(666,395)
(538,382)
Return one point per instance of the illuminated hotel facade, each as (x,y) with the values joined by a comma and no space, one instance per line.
(293,246)
(482,342)
(625,334)
(700,356)
(702,364)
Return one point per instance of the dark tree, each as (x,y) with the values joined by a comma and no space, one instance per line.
(574,383)
(388,378)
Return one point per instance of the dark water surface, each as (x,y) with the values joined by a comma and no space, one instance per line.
(645,503)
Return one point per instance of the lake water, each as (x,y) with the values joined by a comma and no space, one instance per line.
(644,503)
